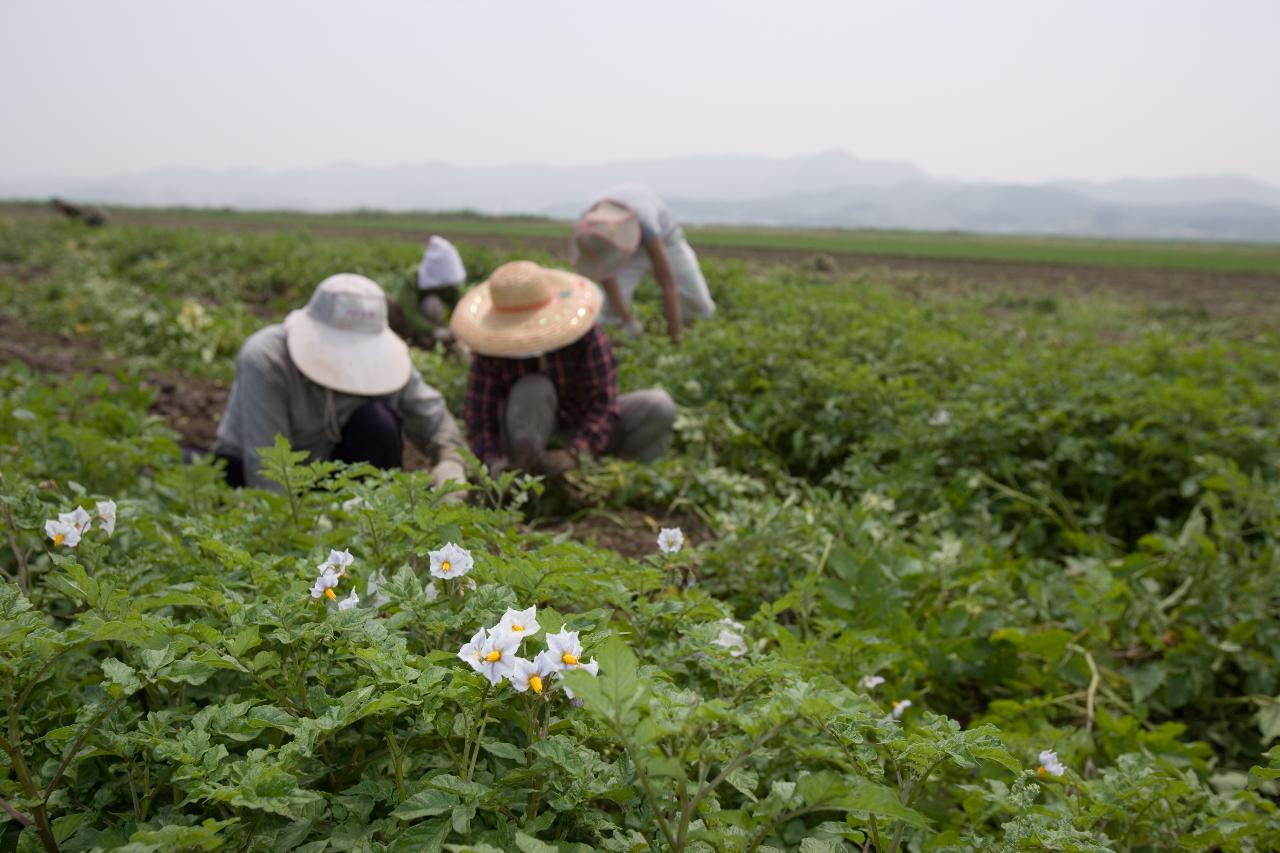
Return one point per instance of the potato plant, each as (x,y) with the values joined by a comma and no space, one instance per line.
(979,577)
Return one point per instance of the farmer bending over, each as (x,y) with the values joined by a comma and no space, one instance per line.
(420,310)
(334,381)
(542,372)
(606,247)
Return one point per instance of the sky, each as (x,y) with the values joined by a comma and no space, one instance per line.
(1006,90)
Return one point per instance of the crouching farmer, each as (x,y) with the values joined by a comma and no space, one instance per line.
(543,373)
(420,311)
(334,380)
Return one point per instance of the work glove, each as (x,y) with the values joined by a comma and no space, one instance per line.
(556,463)
(446,471)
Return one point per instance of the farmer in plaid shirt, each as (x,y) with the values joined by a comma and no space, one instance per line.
(543,372)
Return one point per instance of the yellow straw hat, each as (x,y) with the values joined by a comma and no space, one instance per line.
(525,310)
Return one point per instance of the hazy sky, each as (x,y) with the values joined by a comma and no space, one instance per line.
(1021,90)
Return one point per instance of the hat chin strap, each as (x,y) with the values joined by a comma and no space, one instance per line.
(520,309)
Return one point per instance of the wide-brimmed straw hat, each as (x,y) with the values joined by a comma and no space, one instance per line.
(341,339)
(604,239)
(524,310)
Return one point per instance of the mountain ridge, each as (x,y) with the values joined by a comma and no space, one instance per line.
(827,189)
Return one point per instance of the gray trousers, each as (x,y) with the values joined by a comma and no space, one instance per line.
(642,431)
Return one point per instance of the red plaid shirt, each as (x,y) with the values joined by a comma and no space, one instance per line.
(585,375)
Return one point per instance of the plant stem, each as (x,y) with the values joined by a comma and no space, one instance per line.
(475,754)
(18,554)
(38,813)
(875,832)
(18,816)
(649,798)
(531,724)
(691,809)
(394,747)
(75,747)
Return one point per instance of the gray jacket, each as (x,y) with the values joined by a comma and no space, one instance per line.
(270,395)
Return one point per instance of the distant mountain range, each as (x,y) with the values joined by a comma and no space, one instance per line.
(829,189)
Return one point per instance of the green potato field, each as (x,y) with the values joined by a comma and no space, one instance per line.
(973,558)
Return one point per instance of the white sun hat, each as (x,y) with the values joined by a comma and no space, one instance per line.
(441,265)
(525,310)
(341,339)
(604,239)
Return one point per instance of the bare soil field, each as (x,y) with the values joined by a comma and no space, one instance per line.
(629,531)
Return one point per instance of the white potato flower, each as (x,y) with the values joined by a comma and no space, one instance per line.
(352,504)
(564,652)
(472,652)
(940,418)
(533,674)
(107,513)
(349,602)
(450,562)
(337,562)
(731,638)
(62,533)
(1049,764)
(324,585)
(565,648)
(498,655)
(670,540)
(871,682)
(431,591)
(590,667)
(899,707)
(79,517)
(521,622)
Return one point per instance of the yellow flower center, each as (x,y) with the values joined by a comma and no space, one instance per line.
(569,659)
(330,594)
(1042,771)
(536,683)
(57,540)
(445,566)
(494,656)
(517,628)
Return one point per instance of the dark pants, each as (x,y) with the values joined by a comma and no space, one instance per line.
(642,430)
(371,434)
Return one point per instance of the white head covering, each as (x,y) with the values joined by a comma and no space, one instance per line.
(341,339)
(441,265)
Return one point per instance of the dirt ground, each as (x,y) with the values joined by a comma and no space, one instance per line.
(191,406)
(629,531)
